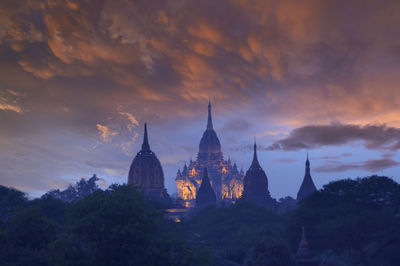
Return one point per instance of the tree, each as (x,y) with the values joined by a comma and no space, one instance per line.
(117,227)
(354,218)
(271,252)
(10,199)
(25,238)
(81,189)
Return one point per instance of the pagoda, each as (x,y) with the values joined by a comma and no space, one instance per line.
(225,178)
(205,195)
(307,187)
(256,184)
(147,174)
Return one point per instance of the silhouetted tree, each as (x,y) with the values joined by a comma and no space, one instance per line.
(78,191)
(354,218)
(10,199)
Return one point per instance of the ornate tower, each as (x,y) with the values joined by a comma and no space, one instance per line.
(209,147)
(224,177)
(147,174)
(307,187)
(256,184)
(205,195)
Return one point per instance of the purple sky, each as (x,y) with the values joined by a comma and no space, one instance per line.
(79,78)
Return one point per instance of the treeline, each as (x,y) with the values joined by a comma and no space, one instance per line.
(348,222)
(112,227)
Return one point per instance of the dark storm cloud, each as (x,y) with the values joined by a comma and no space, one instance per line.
(314,136)
(185,51)
(369,165)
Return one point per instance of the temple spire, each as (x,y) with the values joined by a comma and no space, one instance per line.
(303,253)
(255,162)
(307,186)
(209,122)
(145,145)
(205,195)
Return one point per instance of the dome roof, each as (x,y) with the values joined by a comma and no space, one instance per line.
(209,143)
(146,171)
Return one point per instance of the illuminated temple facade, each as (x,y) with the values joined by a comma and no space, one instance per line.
(226,180)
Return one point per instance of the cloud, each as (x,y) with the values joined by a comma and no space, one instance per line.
(131,119)
(249,148)
(334,157)
(105,132)
(314,136)
(6,105)
(236,125)
(275,64)
(284,160)
(120,133)
(369,165)
(169,53)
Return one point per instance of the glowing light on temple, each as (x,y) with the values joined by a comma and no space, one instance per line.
(193,172)
(225,179)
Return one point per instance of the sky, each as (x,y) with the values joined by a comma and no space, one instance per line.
(78,79)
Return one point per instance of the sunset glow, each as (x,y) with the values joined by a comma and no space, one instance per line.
(78,80)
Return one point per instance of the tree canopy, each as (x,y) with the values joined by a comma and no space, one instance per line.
(348,222)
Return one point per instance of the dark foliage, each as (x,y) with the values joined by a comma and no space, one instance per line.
(10,199)
(348,222)
(232,231)
(355,221)
(113,227)
(81,189)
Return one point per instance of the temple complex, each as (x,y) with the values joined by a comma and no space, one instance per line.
(205,195)
(225,178)
(255,184)
(147,174)
(307,187)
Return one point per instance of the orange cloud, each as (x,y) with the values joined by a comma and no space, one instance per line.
(105,132)
(5,105)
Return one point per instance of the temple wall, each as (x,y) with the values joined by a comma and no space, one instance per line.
(186,189)
(228,186)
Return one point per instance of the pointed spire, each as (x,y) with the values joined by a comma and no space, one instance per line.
(255,162)
(209,122)
(303,253)
(205,181)
(145,145)
(205,195)
(307,186)
(234,167)
(179,175)
(307,165)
